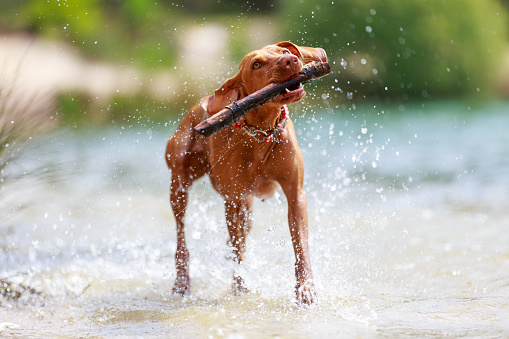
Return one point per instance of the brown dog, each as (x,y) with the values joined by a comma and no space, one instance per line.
(252,158)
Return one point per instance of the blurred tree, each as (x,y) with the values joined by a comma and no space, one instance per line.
(393,48)
(80,19)
(138,31)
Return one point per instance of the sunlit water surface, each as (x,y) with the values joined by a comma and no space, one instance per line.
(409,234)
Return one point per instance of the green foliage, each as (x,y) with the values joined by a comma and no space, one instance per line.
(78,18)
(77,110)
(416,48)
(71,108)
(137,31)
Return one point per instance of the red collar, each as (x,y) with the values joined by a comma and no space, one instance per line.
(268,135)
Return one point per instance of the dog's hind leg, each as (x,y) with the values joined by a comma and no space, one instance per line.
(238,220)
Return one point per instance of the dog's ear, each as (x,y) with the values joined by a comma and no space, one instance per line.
(223,96)
(307,54)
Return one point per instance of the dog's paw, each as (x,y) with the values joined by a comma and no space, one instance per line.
(182,286)
(306,293)
(238,286)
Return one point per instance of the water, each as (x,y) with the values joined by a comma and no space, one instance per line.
(408,225)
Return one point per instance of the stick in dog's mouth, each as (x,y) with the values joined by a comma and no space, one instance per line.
(277,92)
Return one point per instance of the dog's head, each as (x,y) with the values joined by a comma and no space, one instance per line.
(271,64)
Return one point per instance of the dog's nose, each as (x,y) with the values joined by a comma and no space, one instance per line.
(290,61)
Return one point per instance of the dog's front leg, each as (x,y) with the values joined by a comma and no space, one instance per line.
(178,198)
(238,220)
(298,222)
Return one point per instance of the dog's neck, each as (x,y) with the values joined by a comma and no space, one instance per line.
(264,117)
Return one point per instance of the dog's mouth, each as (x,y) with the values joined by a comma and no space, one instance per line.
(293,94)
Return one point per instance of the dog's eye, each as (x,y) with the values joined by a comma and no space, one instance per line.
(257,65)
(286,52)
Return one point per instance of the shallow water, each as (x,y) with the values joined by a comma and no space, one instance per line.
(409,229)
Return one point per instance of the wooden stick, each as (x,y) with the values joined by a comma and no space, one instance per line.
(236,110)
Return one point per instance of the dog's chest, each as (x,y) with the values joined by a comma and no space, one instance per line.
(243,170)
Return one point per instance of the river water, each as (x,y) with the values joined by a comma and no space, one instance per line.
(409,233)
